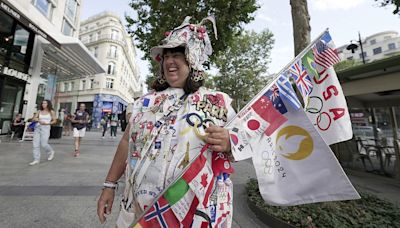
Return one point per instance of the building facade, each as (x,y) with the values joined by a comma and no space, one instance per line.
(38,42)
(104,35)
(377,46)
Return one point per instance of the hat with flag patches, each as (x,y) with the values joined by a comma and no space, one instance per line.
(193,37)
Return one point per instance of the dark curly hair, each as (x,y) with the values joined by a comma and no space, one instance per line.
(49,105)
(190,85)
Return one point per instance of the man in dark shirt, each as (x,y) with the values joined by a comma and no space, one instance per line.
(79,124)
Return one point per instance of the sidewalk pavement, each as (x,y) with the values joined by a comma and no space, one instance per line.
(64,192)
(383,187)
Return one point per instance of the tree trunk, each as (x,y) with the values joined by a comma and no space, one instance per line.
(301,25)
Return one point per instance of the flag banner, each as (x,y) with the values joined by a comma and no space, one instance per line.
(263,116)
(293,163)
(325,105)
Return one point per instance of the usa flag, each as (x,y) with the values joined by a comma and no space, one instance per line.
(303,80)
(325,53)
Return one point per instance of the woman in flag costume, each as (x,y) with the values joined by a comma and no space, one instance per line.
(176,154)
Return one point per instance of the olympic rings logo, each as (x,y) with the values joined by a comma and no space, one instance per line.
(323,120)
(195,120)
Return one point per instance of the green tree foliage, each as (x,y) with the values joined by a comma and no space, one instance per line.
(345,64)
(396,4)
(243,66)
(154,18)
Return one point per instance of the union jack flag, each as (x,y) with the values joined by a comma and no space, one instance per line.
(325,53)
(301,77)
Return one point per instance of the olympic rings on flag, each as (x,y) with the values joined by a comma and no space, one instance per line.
(314,110)
(319,121)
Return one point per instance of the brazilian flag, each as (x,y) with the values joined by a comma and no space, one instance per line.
(310,65)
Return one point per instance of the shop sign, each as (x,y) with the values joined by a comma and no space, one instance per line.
(14,73)
(25,21)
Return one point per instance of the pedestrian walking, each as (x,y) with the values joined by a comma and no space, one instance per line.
(177,121)
(79,122)
(43,119)
(104,124)
(114,125)
(67,123)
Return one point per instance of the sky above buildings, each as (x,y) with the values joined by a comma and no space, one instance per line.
(344,18)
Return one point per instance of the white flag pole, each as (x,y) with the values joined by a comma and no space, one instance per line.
(299,56)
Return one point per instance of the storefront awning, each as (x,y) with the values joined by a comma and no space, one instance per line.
(71,60)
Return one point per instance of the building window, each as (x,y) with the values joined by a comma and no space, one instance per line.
(90,37)
(114,34)
(372,42)
(113,51)
(67,28)
(91,85)
(111,68)
(44,6)
(83,84)
(392,46)
(377,50)
(96,51)
(109,83)
(361,55)
(70,10)
(62,87)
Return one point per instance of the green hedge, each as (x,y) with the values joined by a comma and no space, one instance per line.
(369,211)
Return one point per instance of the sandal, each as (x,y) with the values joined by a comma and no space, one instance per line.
(76,153)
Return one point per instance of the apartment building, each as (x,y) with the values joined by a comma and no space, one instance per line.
(105,36)
(376,46)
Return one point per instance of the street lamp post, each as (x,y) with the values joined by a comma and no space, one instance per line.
(352,47)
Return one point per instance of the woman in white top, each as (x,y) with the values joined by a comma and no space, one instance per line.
(44,118)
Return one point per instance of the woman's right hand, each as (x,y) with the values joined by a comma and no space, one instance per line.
(104,205)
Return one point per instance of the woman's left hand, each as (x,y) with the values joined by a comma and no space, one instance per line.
(218,138)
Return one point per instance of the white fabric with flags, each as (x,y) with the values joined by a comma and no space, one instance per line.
(292,162)
(325,105)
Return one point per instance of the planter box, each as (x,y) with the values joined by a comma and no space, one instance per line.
(266,218)
(56,132)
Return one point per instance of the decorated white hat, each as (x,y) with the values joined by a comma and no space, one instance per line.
(193,37)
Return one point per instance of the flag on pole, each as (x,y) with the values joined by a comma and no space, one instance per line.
(301,78)
(326,105)
(325,52)
(294,165)
(308,61)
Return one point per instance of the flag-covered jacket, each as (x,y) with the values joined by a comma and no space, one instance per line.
(203,193)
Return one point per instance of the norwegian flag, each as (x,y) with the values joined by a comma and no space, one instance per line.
(161,215)
(302,79)
(325,53)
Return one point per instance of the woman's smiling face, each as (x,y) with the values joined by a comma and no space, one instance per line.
(176,68)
